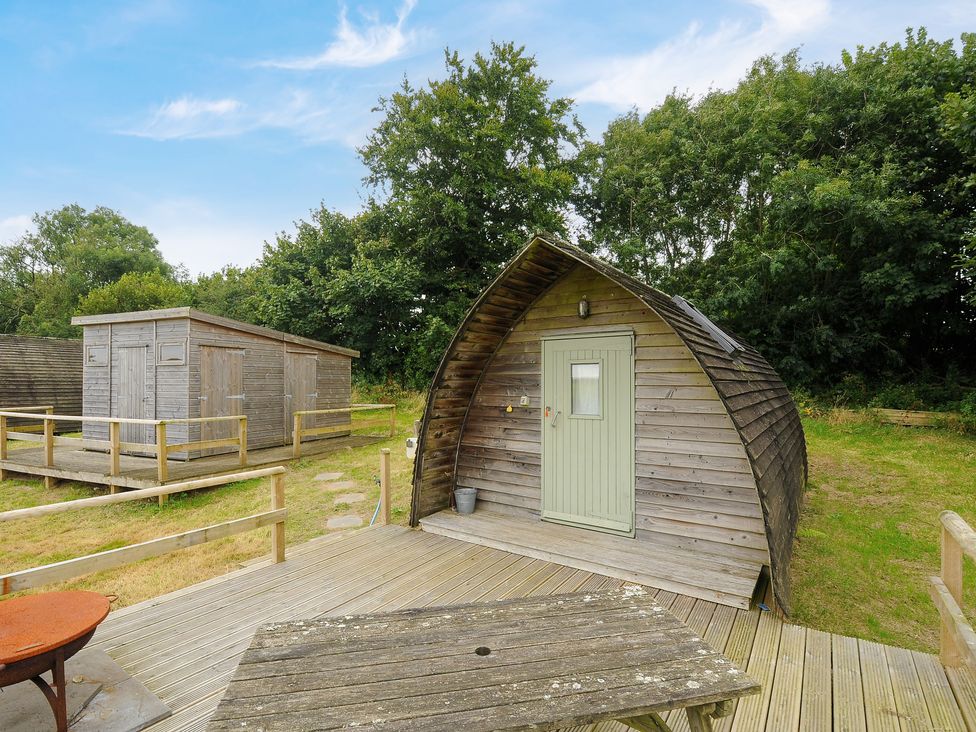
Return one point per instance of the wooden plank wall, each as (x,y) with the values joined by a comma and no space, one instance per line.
(695,487)
(41,371)
(264,381)
(334,386)
(173,390)
(166,385)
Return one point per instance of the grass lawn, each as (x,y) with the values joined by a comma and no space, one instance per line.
(869,531)
(868,536)
(36,541)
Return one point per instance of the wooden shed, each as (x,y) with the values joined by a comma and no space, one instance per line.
(613,428)
(40,372)
(182,363)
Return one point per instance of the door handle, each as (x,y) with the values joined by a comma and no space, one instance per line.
(554,416)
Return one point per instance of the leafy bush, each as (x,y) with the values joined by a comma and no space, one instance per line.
(967,408)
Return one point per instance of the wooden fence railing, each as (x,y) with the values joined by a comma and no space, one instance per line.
(300,431)
(915,418)
(114,445)
(46,409)
(70,568)
(958,645)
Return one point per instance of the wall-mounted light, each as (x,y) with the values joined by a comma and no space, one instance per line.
(583,308)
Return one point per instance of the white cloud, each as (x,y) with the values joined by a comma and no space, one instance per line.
(328,115)
(371,45)
(13,227)
(696,60)
(189,118)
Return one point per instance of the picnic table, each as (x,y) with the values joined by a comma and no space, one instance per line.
(538,663)
(38,633)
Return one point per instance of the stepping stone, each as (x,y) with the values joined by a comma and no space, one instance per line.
(327,477)
(344,522)
(350,498)
(342,485)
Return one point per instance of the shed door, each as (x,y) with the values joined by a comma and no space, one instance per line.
(221,393)
(588,432)
(301,391)
(130,380)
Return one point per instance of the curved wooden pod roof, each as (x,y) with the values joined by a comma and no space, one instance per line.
(757,401)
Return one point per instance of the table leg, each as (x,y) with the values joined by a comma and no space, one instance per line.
(700,719)
(58,699)
(646,723)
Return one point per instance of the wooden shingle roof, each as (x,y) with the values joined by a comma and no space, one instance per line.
(757,400)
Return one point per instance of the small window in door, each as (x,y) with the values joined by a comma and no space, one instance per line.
(586,389)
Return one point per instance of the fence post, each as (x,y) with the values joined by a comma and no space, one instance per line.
(278,529)
(296,448)
(49,442)
(162,469)
(952,577)
(393,421)
(3,444)
(242,440)
(385,486)
(115,440)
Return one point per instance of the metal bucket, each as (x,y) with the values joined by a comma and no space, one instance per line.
(464,499)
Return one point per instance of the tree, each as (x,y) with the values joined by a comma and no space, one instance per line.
(338,279)
(229,292)
(135,291)
(44,274)
(823,213)
(465,170)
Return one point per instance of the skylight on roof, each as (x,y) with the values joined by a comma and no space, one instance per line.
(727,342)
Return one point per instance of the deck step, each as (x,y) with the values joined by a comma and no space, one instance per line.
(706,578)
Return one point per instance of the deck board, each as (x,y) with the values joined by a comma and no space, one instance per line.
(815,702)
(185,646)
(722,579)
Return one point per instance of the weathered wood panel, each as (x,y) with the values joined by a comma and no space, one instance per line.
(174,342)
(691,444)
(753,398)
(41,371)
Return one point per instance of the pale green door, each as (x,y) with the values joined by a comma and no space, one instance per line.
(588,432)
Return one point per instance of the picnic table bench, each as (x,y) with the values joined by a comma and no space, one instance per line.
(538,663)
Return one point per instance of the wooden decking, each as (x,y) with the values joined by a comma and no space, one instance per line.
(89,466)
(184,646)
(727,580)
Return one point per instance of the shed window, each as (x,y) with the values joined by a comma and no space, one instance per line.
(171,353)
(586,389)
(96,355)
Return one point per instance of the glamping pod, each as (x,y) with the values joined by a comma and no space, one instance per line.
(181,363)
(615,429)
(40,372)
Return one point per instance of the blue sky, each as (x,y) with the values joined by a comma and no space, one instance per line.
(219,124)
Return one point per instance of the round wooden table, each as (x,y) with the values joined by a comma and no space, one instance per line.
(38,633)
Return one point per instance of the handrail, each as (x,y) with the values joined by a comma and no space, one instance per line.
(135,495)
(299,430)
(161,448)
(958,640)
(28,414)
(70,568)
